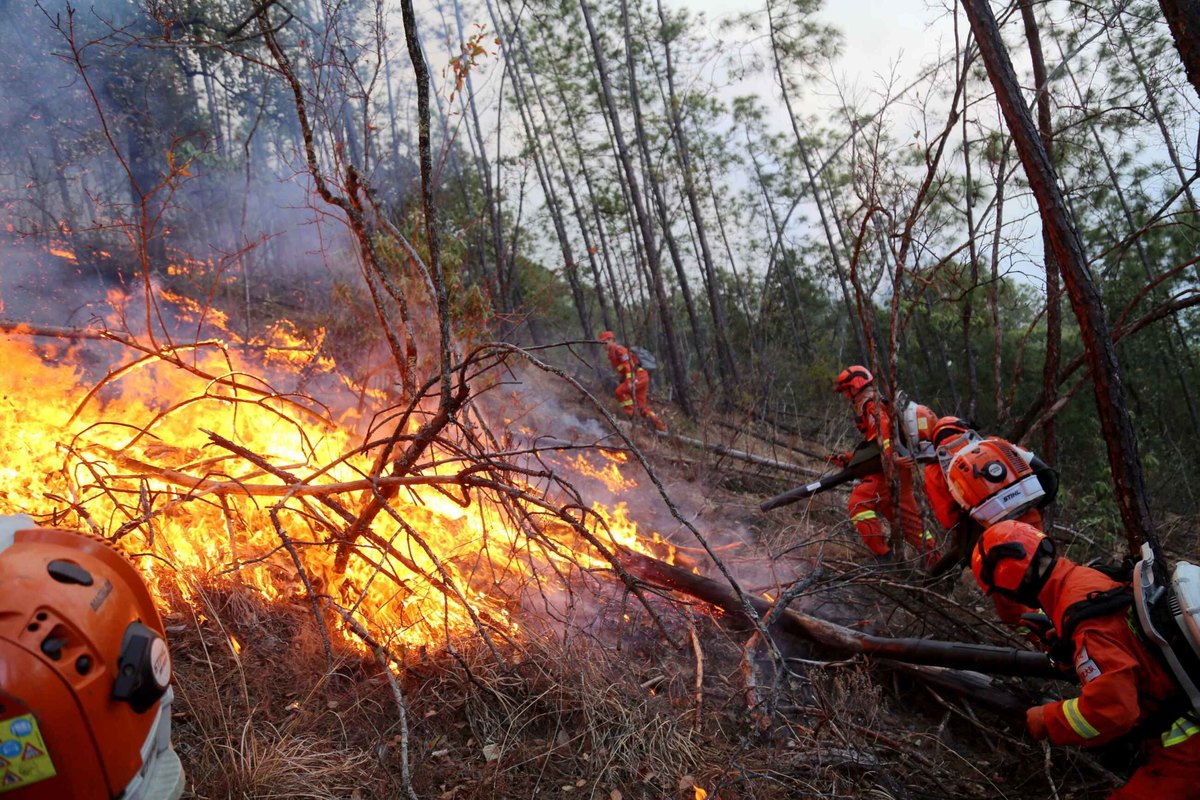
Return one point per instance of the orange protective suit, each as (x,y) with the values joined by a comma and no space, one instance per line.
(635,383)
(1124,686)
(872,496)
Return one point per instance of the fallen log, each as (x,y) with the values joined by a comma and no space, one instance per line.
(841,641)
(741,455)
(772,440)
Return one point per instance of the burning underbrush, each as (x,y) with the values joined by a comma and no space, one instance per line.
(371,594)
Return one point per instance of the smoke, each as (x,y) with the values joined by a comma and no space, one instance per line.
(192,156)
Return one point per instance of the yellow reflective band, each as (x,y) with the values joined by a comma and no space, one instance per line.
(1183,729)
(626,402)
(1077,721)
(859,517)
(928,536)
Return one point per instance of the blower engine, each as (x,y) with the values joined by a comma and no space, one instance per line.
(85,696)
(1169,614)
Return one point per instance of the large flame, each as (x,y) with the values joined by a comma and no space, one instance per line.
(112,439)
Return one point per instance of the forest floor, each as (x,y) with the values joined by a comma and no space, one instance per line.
(607,707)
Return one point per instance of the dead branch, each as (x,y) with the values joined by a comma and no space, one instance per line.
(741,455)
(841,640)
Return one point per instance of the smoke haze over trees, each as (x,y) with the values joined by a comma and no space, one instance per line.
(606,165)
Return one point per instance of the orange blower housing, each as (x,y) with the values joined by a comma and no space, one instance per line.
(84,673)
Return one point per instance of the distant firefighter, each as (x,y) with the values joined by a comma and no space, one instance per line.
(635,381)
(872,496)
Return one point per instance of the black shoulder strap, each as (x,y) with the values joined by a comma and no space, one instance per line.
(1096,604)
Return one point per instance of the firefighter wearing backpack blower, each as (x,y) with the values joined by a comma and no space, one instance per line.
(1128,687)
(872,496)
(634,381)
(975,482)
(85,696)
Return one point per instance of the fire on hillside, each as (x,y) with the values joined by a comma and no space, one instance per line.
(214,460)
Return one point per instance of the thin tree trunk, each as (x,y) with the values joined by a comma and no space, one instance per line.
(569,180)
(1111,405)
(533,136)
(1053,360)
(725,361)
(659,200)
(999,407)
(834,252)
(674,354)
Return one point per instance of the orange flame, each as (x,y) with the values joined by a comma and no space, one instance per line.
(132,461)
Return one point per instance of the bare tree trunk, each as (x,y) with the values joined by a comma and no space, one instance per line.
(994,288)
(1053,360)
(568,180)
(1183,18)
(534,137)
(968,306)
(674,354)
(1126,467)
(491,199)
(856,324)
(725,361)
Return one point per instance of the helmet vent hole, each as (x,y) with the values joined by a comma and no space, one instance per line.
(42,616)
(33,627)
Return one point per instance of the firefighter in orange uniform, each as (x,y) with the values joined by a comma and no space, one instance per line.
(635,381)
(951,435)
(872,496)
(1126,688)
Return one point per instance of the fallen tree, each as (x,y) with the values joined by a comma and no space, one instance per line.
(838,641)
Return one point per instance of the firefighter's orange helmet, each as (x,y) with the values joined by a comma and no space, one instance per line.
(926,422)
(1003,561)
(853,380)
(607,336)
(992,481)
(948,428)
(84,673)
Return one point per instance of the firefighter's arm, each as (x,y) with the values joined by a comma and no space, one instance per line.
(940,500)
(1011,612)
(1107,706)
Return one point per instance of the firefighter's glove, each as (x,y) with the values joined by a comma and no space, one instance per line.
(904,462)
(1038,629)
(1035,720)
(839,460)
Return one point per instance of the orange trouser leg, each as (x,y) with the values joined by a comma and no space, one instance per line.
(868,500)
(1168,772)
(915,532)
(625,397)
(642,387)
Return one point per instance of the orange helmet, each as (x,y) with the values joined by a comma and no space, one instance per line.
(853,380)
(607,336)
(992,480)
(946,428)
(926,420)
(1003,561)
(85,699)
